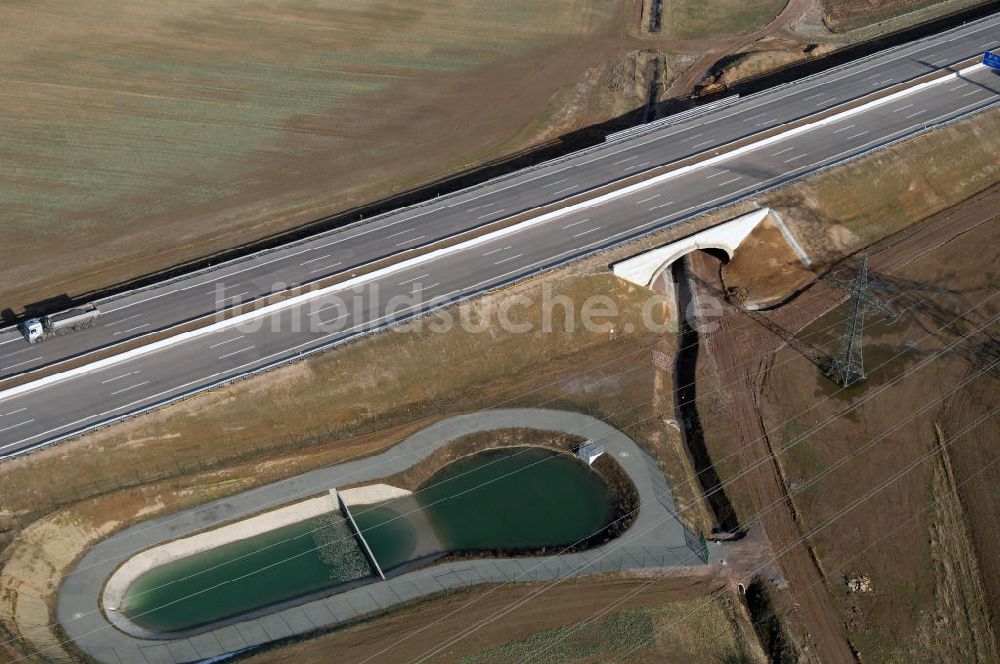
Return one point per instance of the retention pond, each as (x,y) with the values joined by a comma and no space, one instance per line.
(501,501)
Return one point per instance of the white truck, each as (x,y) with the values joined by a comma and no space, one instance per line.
(37,329)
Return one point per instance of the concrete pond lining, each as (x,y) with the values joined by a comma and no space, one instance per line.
(655,539)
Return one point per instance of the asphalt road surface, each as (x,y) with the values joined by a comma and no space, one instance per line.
(52,412)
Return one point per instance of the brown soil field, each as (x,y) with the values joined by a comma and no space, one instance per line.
(924,606)
(724,634)
(169,134)
(172,132)
(306,415)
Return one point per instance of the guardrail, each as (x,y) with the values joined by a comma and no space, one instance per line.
(671,120)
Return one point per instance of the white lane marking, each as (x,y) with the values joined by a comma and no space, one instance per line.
(227,341)
(509,258)
(552,184)
(837,131)
(622,161)
(969,94)
(589,230)
(154,297)
(325,307)
(698,145)
(752,117)
(913,115)
(131,329)
(859,134)
(131,387)
(11,366)
(10,341)
(481,207)
(432,286)
(236,352)
(410,281)
(313,260)
(19,424)
(490,214)
(650,198)
(902,108)
(326,267)
(563,191)
(228,297)
(761,124)
(798,156)
(822,103)
(661,205)
(408,230)
(643,164)
(957,87)
(412,239)
(323,322)
(17,352)
(723,184)
(124,375)
(812,96)
(122,320)
(775,154)
(700,133)
(14,412)
(575,223)
(717,174)
(496,251)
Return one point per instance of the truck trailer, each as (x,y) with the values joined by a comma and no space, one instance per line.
(38,329)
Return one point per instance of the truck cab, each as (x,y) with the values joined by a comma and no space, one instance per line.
(32,329)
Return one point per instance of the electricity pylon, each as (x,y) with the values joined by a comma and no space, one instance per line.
(848,367)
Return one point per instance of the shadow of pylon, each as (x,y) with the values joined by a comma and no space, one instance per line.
(807,350)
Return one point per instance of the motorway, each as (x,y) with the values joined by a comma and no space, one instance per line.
(64,407)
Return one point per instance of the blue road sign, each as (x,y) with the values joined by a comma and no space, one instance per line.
(991,60)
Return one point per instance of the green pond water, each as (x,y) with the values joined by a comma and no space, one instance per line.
(510,499)
(389,533)
(515,498)
(245,575)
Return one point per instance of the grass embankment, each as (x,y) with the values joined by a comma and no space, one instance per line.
(697,19)
(858,15)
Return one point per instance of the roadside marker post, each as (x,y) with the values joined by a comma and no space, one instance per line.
(992,60)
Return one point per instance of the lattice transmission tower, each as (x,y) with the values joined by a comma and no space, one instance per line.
(848,367)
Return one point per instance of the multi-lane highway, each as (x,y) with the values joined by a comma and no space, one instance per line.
(66,406)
